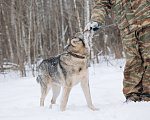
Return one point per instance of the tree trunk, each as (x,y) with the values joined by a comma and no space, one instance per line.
(29,37)
(78,17)
(1,52)
(88,11)
(69,16)
(8,35)
(62,23)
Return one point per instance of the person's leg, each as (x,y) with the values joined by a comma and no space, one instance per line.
(133,72)
(144,42)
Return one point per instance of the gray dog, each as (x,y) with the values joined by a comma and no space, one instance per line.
(66,70)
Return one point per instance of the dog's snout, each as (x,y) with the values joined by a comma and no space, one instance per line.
(82,41)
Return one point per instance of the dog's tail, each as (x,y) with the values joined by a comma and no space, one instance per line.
(41,81)
(38,79)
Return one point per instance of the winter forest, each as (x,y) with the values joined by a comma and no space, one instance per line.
(31,30)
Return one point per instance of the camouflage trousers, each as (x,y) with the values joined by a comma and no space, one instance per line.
(136,83)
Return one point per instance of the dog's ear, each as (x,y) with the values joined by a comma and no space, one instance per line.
(74,41)
(79,35)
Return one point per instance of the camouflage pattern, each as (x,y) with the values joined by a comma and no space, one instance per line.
(137,15)
(135,31)
(136,81)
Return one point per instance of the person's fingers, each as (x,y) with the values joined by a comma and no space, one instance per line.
(94,25)
(87,27)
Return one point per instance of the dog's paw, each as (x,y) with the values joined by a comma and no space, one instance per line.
(93,108)
(62,109)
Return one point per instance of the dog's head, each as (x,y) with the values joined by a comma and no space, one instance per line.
(78,45)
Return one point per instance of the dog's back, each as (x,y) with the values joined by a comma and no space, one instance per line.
(48,68)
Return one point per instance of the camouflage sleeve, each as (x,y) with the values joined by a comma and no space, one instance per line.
(100,10)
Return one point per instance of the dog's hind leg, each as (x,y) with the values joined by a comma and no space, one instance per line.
(44,92)
(64,99)
(56,90)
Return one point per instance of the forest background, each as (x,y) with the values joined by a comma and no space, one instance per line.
(31,30)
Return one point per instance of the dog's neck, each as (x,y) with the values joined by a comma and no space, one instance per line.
(77,56)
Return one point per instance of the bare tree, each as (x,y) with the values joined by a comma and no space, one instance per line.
(7,32)
(31,30)
(78,17)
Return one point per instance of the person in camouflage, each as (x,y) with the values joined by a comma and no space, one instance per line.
(133,18)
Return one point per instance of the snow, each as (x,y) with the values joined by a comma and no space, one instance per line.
(19,98)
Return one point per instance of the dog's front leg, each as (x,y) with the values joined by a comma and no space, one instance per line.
(86,90)
(64,99)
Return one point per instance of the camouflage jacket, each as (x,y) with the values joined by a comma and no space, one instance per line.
(137,15)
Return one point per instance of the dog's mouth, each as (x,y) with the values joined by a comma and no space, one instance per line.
(82,41)
(78,45)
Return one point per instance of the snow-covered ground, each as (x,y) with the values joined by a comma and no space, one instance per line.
(19,98)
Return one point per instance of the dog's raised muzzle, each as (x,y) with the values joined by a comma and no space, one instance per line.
(82,41)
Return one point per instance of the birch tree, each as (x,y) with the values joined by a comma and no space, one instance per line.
(7,32)
(78,17)
(62,21)
(32,30)
(1,52)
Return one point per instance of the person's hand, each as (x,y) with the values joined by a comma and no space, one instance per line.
(92,26)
